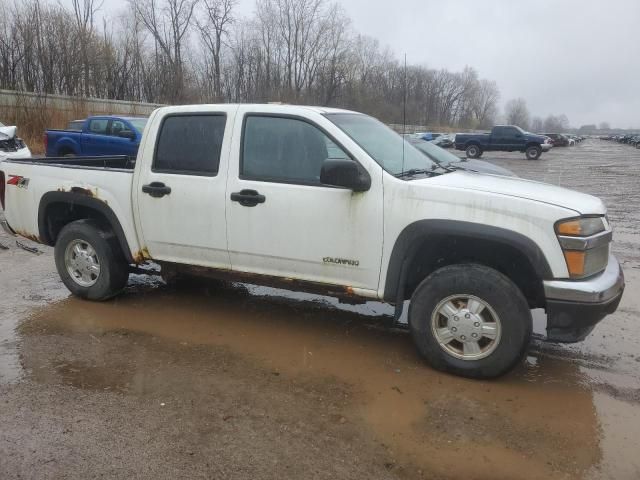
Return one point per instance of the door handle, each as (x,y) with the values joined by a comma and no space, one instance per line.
(247,198)
(156,189)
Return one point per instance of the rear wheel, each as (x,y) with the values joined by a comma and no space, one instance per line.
(473,151)
(89,260)
(470,320)
(533,152)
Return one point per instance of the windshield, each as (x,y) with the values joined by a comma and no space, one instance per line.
(386,147)
(138,123)
(434,152)
(1,124)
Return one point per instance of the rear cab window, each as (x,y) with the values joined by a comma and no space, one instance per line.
(98,126)
(190,144)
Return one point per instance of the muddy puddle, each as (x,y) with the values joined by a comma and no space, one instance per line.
(538,422)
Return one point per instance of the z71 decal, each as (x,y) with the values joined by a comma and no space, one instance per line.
(19,181)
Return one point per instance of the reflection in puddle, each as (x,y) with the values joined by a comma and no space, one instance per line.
(523,425)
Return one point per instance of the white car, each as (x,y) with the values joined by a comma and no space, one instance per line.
(547,145)
(331,201)
(10,145)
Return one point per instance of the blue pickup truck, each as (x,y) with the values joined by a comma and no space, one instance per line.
(503,138)
(95,136)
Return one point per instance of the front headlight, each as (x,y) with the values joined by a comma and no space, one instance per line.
(585,244)
(580,227)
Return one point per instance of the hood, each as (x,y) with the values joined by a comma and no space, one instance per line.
(582,203)
(7,133)
(536,138)
(481,166)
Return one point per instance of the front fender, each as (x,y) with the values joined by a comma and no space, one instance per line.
(416,233)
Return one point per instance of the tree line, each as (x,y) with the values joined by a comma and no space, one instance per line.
(190,51)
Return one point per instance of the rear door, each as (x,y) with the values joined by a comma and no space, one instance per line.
(96,139)
(180,192)
(508,138)
(282,221)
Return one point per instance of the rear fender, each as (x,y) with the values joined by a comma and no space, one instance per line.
(72,200)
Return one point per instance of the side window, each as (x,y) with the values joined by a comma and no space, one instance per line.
(499,131)
(190,144)
(117,127)
(285,150)
(98,126)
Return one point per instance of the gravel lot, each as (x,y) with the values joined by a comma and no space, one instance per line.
(211,380)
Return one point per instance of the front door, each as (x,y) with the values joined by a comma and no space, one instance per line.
(119,142)
(181,190)
(283,222)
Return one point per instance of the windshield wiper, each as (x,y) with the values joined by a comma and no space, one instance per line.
(416,171)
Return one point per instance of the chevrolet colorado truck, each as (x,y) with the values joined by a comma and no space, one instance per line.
(333,202)
(98,135)
(503,138)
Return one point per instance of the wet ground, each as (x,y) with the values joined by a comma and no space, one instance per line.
(213,380)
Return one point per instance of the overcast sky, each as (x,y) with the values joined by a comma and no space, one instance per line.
(577,57)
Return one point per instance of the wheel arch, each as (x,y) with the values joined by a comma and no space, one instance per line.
(426,245)
(66,144)
(58,209)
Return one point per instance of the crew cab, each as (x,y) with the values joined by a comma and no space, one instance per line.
(503,138)
(334,202)
(97,135)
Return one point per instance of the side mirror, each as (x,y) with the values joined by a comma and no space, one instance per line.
(344,173)
(127,134)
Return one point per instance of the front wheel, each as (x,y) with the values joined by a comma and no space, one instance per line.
(89,260)
(470,320)
(473,151)
(533,152)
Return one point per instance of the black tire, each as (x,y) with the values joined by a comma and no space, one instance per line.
(533,152)
(114,271)
(493,288)
(473,151)
(66,152)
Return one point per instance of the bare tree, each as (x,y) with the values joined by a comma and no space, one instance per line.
(517,113)
(213,30)
(485,103)
(556,123)
(168,21)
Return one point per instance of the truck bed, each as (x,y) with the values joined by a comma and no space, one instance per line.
(105,180)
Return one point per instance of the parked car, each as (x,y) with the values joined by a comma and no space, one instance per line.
(503,138)
(449,160)
(444,141)
(548,144)
(331,201)
(557,139)
(11,146)
(98,135)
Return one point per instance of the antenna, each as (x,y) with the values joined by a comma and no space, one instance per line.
(404,109)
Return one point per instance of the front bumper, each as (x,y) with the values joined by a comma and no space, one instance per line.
(574,307)
(546,147)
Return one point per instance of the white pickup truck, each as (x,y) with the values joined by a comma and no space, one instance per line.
(333,202)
